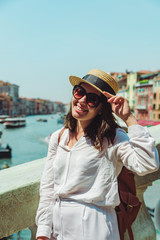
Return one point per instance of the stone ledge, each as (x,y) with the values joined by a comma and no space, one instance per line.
(19,196)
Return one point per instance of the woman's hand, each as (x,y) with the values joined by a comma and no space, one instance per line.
(120,107)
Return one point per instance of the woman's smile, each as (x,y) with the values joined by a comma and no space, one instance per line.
(80,108)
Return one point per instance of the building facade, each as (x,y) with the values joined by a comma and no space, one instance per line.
(12,91)
(156,98)
(13,105)
(131,90)
(5,104)
(122,82)
(144,97)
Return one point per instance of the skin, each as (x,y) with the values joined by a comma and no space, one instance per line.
(120,107)
(84,115)
(81,111)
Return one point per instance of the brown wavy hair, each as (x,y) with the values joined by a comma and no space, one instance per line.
(103,125)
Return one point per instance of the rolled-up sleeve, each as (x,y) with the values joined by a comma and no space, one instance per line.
(44,214)
(136,150)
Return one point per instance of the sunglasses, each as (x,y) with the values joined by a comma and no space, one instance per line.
(92,99)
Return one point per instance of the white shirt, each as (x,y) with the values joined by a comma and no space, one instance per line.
(86,174)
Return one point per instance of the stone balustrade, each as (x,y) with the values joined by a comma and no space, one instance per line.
(19,197)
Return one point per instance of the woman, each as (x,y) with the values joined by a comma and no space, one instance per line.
(79,192)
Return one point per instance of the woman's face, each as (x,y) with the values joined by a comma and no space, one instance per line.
(80,109)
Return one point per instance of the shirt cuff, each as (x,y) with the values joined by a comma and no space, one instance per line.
(43,231)
(137,130)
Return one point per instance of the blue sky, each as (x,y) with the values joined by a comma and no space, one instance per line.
(42,42)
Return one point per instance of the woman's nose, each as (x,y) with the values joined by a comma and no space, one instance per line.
(83,99)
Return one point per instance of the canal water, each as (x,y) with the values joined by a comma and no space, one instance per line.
(28,144)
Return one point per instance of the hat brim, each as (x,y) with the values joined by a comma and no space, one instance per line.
(76,81)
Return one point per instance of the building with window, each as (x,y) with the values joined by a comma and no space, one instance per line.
(132,79)
(5,104)
(12,91)
(131,90)
(156,98)
(144,97)
(122,82)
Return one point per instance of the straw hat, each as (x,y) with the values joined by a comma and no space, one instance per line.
(97,79)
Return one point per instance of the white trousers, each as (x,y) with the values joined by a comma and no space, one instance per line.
(77,221)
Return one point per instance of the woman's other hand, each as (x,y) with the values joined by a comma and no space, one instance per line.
(120,107)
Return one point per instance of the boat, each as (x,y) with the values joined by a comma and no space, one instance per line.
(5,166)
(2,118)
(15,122)
(5,150)
(61,119)
(41,119)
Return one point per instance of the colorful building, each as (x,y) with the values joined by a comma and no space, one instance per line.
(144,97)
(26,106)
(5,104)
(13,105)
(122,82)
(11,90)
(131,90)
(156,98)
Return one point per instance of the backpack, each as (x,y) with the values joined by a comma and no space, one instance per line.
(129,205)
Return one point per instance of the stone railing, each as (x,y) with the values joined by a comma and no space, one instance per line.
(19,197)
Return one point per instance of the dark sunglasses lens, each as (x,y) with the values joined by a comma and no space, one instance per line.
(92,99)
(78,92)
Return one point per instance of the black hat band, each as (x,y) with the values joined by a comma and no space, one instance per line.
(99,83)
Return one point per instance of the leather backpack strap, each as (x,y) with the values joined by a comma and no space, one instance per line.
(127,223)
(60,135)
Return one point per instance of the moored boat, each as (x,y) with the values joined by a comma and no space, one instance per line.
(3,118)
(5,150)
(15,122)
(41,119)
(61,118)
